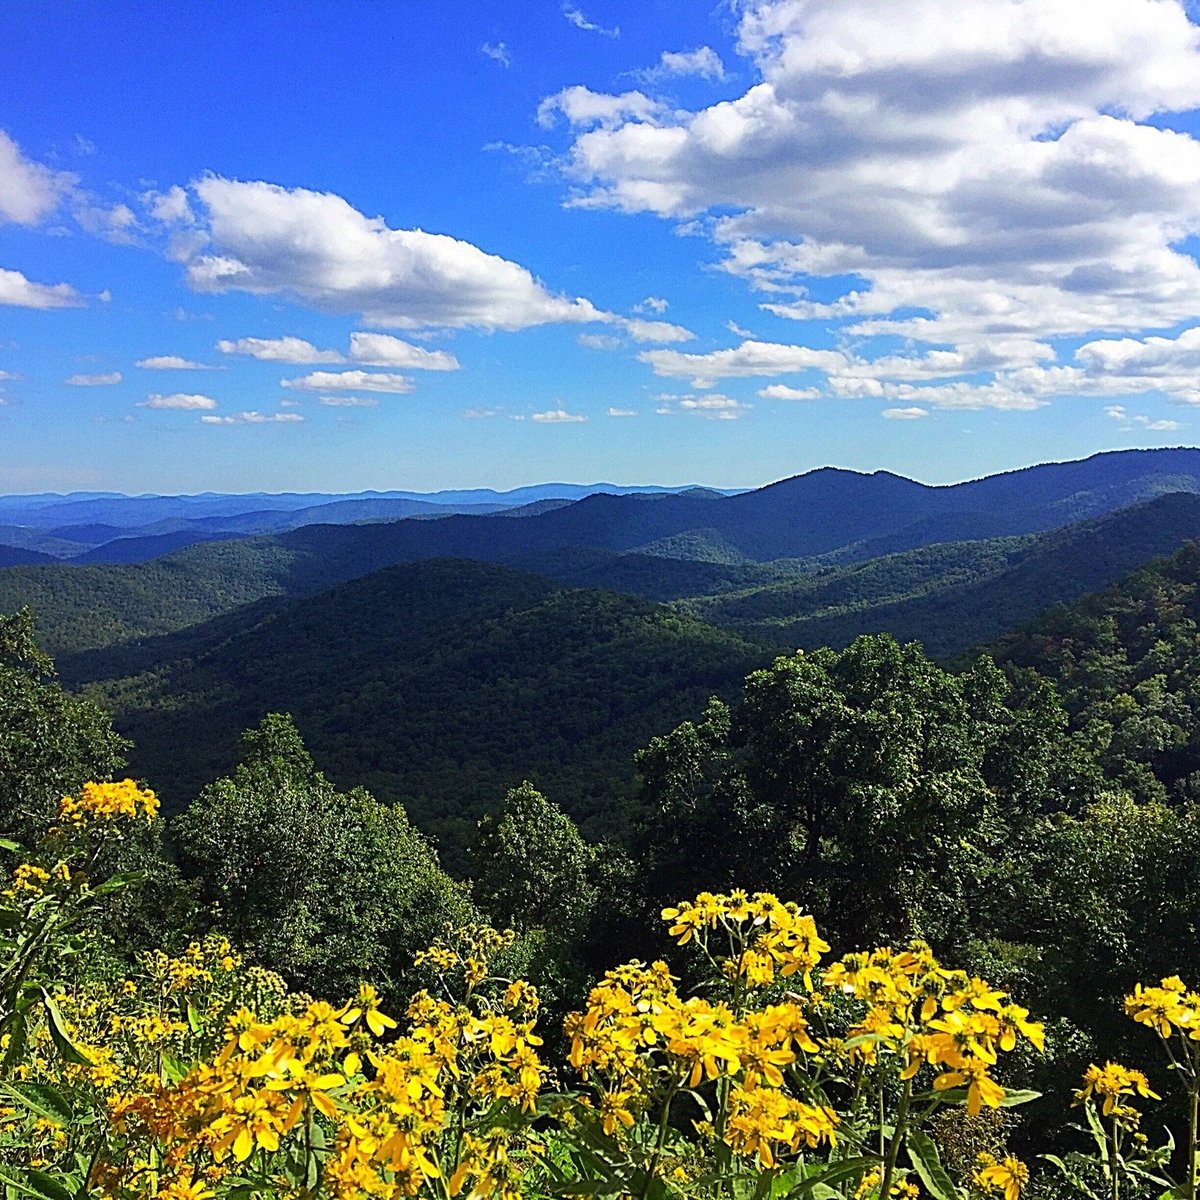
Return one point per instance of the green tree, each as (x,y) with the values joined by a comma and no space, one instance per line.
(50,741)
(532,867)
(869,783)
(326,888)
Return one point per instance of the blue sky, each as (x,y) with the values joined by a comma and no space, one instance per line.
(337,246)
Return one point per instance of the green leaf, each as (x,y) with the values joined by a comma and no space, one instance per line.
(847,1168)
(18,1037)
(193,1017)
(923,1155)
(959,1096)
(36,1183)
(59,1035)
(116,882)
(9,844)
(42,1100)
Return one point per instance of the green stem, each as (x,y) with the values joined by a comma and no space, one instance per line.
(889,1166)
(661,1139)
(1194,1113)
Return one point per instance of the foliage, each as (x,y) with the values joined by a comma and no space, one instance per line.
(50,741)
(324,887)
(869,782)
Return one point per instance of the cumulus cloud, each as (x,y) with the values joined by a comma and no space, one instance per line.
(749,359)
(497,52)
(189,402)
(369,349)
(599,341)
(654,331)
(712,406)
(781,391)
(583,108)
(16,290)
(314,246)
(105,380)
(557,416)
(981,170)
(622,412)
(704,61)
(350,381)
(1130,421)
(29,191)
(252,417)
(576,17)
(350,401)
(170,362)
(654,304)
(383,350)
(113,223)
(904,414)
(282,349)
(171,207)
(480,414)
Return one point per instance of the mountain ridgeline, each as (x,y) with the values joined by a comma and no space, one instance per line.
(439,662)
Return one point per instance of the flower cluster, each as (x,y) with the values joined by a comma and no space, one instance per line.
(1168,1008)
(915,1009)
(1106,1085)
(107,802)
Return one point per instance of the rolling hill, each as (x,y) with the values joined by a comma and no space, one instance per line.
(437,684)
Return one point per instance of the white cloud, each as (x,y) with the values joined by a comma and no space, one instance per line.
(904,414)
(598,341)
(584,108)
(712,406)
(8,376)
(370,349)
(29,191)
(984,170)
(654,304)
(383,350)
(269,240)
(283,349)
(576,17)
(350,381)
(557,416)
(253,418)
(480,414)
(498,52)
(170,362)
(749,359)
(654,331)
(622,412)
(1135,421)
(704,61)
(780,391)
(115,223)
(15,289)
(182,400)
(105,380)
(170,207)
(350,401)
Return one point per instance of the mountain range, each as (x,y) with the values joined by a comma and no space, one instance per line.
(440,661)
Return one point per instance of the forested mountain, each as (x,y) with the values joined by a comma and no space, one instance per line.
(437,684)
(953,595)
(1127,662)
(829,512)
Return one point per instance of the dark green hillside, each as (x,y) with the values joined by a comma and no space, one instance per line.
(84,608)
(953,596)
(440,685)
(1127,662)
